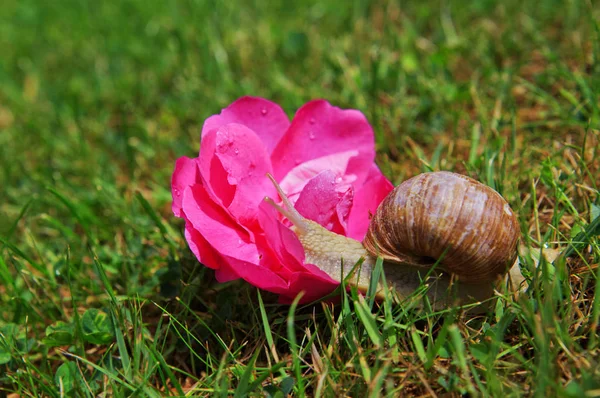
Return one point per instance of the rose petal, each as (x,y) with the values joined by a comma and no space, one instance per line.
(366,200)
(258,275)
(208,256)
(226,273)
(213,173)
(184,175)
(295,181)
(228,239)
(264,117)
(342,212)
(321,202)
(201,248)
(216,226)
(318,130)
(234,156)
(282,240)
(315,285)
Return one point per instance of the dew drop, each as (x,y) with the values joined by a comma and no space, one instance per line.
(312,120)
(297,161)
(177,192)
(264,111)
(236,151)
(311,135)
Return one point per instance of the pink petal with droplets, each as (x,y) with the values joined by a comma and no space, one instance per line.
(366,200)
(234,161)
(322,202)
(264,117)
(342,211)
(184,175)
(299,176)
(213,173)
(318,130)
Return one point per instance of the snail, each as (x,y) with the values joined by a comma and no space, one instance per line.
(461,227)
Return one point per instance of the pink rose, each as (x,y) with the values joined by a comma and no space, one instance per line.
(323,160)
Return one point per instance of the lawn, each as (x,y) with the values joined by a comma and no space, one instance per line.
(99,292)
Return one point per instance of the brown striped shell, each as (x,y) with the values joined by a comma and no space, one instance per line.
(444,216)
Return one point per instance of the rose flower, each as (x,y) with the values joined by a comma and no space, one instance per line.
(324,162)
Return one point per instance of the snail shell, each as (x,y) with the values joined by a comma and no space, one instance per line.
(465,225)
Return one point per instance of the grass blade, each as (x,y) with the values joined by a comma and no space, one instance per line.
(294,348)
(368,320)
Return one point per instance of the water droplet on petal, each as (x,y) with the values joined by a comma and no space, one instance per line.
(177,192)
(312,120)
(236,151)
(311,135)
(264,111)
(297,161)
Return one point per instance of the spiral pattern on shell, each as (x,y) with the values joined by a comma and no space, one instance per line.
(447,216)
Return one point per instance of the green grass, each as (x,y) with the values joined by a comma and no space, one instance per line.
(98,290)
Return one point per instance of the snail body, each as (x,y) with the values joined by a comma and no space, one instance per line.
(463,228)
